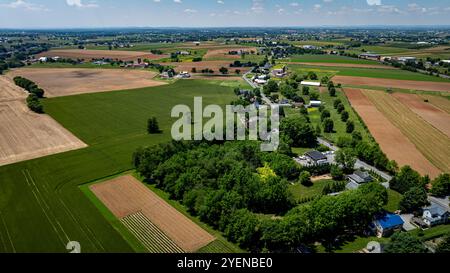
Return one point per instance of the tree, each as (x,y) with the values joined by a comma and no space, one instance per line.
(312,75)
(405,243)
(301,133)
(344,116)
(337,173)
(441,185)
(347,158)
(194,70)
(336,103)
(223,70)
(314,96)
(406,179)
(305,90)
(237,71)
(350,126)
(152,126)
(328,125)
(414,199)
(332,92)
(324,115)
(271,87)
(305,178)
(340,108)
(444,245)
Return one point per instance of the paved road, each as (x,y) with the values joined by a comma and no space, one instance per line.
(359,164)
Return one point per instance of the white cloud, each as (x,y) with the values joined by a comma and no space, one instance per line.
(220,2)
(22,4)
(294,4)
(79,4)
(178,1)
(190,11)
(416,8)
(317,7)
(374,2)
(157,1)
(257,6)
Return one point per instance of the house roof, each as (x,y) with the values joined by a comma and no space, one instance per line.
(316,155)
(436,210)
(352,185)
(360,177)
(389,220)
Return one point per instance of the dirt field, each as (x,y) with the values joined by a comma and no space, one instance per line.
(26,135)
(214,65)
(438,101)
(98,54)
(344,65)
(223,53)
(435,116)
(59,82)
(432,143)
(9,91)
(391,140)
(388,83)
(125,196)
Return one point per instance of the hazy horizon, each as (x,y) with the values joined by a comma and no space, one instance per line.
(70,14)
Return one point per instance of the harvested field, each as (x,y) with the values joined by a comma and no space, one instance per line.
(432,143)
(344,65)
(26,135)
(433,115)
(391,140)
(219,78)
(99,54)
(389,83)
(59,82)
(214,65)
(125,196)
(9,91)
(223,53)
(438,101)
(154,239)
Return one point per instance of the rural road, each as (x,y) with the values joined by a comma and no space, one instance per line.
(359,163)
(264,97)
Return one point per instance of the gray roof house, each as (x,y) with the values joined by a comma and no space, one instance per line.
(435,215)
(357,179)
(316,157)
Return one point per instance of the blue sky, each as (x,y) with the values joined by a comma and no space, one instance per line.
(220,13)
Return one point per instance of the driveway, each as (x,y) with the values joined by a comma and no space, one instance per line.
(407,219)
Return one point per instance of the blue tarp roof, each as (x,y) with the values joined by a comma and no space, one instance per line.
(389,220)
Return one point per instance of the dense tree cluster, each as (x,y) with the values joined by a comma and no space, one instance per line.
(405,243)
(36,93)
(221,184)
(300,132)
(441,185)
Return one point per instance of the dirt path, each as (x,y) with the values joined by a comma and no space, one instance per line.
(436,117)
(391,140)
(59,82)
(125,196)
(389,83)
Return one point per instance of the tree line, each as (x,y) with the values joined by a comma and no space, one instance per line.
(35,93)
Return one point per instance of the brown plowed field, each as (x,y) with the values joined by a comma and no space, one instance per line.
(388,83)
(391,140)
(214,65)
(26,135)
(223,53)
(9,91)
(126,196)
(59,82)
(435,116)
(99,54)
(438,101)
(344,65)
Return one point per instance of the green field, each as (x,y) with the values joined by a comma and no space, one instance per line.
(395,74)
(42,207)
(329,59)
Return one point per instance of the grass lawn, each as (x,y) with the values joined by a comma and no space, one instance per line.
(300,192)
(354,245)
(393,200)
(432,233)
(329,59)
(46,192)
